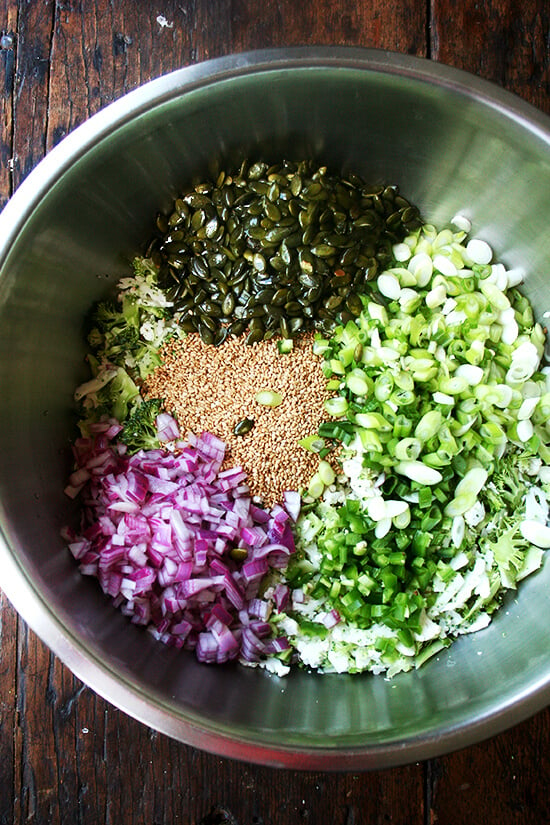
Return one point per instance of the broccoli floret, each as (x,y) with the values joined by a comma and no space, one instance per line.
(119,395)
(125,335)
(115,331)
(140,428)
(144,290)
(111,392)
(509,551)
(509,548)
(145,268)
(507,486)
(89,393)
(110,317)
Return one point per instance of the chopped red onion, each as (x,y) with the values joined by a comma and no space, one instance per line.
(158,530)
(292,501)
(331,618)
(167,428)
(281,596)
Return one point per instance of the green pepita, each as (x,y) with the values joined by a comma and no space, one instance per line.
(244,426)
(259,248)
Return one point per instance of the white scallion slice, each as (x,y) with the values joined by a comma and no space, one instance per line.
(462,222)
(479,251)
(417,471)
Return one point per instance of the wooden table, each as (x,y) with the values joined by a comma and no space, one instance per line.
(66,756)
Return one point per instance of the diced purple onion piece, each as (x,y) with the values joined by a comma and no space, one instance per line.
(157,530)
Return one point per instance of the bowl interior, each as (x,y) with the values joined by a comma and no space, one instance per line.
(452,144)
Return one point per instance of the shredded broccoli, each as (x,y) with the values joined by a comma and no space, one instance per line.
(508,484)
(115,330)
(111,393)
(130,331)
(504,497)
(140,428)
(120,395)
(509,551)
(117,336)
(125,336)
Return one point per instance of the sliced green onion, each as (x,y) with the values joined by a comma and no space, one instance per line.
(417,471)
(358,382)
(467,491)
(428,425)
(407,449)
(312,443)
(316,487)
(326,473)
(268,398)
(434,391)
(285,345)
(337,406)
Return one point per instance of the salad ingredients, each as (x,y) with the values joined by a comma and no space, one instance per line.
(442,504)
(177,543)
(275,250)
(348,499)
(222,389)
(125,337)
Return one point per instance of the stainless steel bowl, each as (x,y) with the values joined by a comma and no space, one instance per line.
(453,143)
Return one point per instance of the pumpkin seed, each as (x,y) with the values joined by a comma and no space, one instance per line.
(255,335)
(293,309)
(284,328)
(243,426)
(228,304)
(265,295)
(323,250)
(208,322)
(236,328)
(354,303)
(259,262)
(275,248)
(206,334)
(211,228)
(220,336)
(280,297)
(212,307)
(333,302)
(188,324)
(295,325)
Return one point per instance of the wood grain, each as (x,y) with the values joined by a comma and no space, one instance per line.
(505,41)
(506,778)
(68,756)
(7,82)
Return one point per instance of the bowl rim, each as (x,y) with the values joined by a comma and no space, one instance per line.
(16,581)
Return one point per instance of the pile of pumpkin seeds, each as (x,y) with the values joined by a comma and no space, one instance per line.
(276,250)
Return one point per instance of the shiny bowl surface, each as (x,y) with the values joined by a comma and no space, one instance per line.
(453,143)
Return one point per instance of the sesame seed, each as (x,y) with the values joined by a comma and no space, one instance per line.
(212,389)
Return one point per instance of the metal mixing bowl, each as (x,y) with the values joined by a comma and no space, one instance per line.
(453,143)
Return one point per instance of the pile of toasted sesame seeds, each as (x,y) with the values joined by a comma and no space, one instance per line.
(212,389)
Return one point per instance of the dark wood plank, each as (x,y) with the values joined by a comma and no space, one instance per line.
(30,95)
(81,760)
(506,777)
(101,50)
(400,25)
(505,41)
(8,720)
(8,44)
